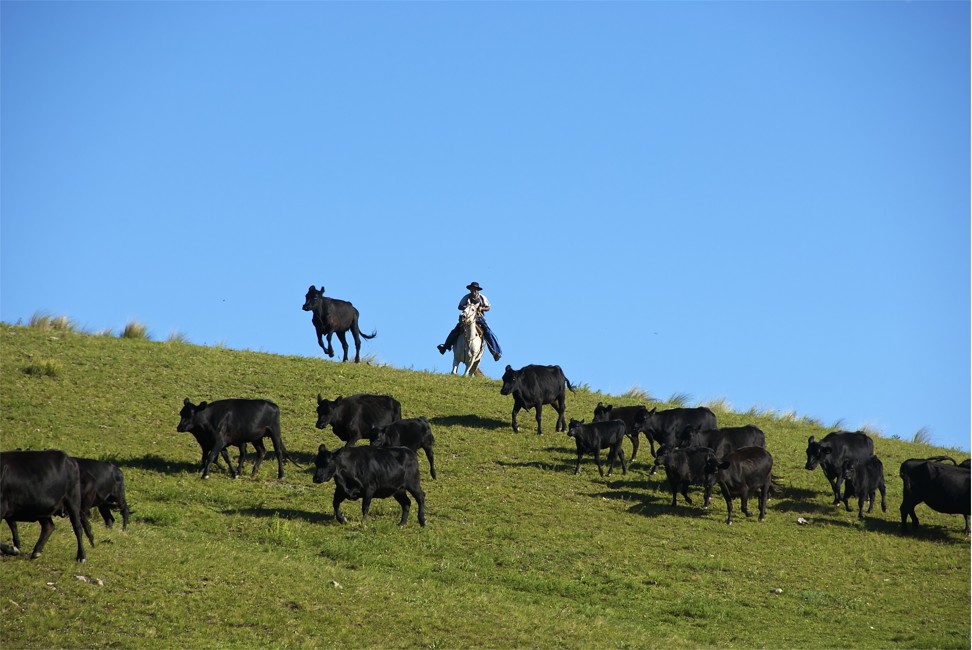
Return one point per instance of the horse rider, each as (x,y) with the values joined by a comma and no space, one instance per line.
(474,296)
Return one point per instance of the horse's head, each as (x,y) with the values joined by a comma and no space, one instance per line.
(470,313)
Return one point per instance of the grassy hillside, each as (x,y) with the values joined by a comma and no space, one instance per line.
(518,551)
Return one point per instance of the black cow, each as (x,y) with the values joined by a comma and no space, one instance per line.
(593,437)
(334,317)
(414,433)
(833,451)
(234,422)
(746,470)
(628,415)
(38,486)
(352,418)
(944,488)
(863,478)
(668,427)
(533,386)
(967,463)
(370,472)
(103,487)
(726,440)
(684,466)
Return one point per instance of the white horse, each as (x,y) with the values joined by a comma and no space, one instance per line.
(469,345)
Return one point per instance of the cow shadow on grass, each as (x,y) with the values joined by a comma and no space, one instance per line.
(654,504)
(544,465)
(282,513)
(156,463)
(469,422)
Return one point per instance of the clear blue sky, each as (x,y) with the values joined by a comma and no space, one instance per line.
(762,202)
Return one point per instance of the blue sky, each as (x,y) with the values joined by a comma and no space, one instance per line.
(767,203)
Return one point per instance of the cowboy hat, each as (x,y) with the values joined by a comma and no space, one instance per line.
(474,287)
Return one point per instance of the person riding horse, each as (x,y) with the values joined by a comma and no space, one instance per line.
(474,296)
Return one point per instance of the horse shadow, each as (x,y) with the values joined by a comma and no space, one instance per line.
(468,422)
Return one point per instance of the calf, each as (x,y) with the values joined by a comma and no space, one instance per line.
(234,422)
(668,427)
(533,386)
(593,437)
(371,472)
(414,433)
(944,488)
(37,486)
(724,441)
(684,466)
(628,415)
(103,487)
(741,472)
(833,451)
(863,478)
(351,418)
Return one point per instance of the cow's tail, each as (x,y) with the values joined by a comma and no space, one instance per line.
(286,454)
(373,334)
(569,386)
(942,459)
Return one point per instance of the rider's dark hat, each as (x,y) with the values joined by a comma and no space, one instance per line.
(474,286)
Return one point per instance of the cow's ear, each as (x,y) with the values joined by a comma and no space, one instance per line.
(186,402)
(810,440)
(319,398)
(724,464)
(202,405)
(311,288)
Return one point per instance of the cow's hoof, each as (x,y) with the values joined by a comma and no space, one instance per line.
(34,556)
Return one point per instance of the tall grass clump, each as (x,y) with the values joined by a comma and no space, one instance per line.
(47,322)
(638,393)
(680,400)
(43,368)
(922,437)
(175,336)
(135,330)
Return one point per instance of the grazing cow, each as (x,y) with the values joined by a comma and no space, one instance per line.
(726,440)
(833,451)
(593,437)
(741,472)
(414,433)
(351,418)
(37,486)
(668,427)
(944,488)
(370,472)
(234,422)
(103,487)
(863,478)
(684,466)
(334,317)
(628,415)
(533,386)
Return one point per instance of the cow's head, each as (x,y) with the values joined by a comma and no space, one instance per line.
(313,297)
(850,466)
(187,416)
(689,437)
(815,453)
(325,410)
(710,471)
(378,437)
(662,456)
(510,377)
(573,427)
(602,412)
(324,465)
(644,420)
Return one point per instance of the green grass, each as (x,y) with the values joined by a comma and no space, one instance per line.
(518,551)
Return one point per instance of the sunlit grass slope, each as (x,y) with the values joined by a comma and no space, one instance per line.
(518,552)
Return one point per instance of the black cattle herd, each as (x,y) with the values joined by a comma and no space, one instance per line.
(692,449)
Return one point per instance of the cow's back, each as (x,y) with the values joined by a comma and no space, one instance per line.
(37,483)
(944,488)
(540,384)
(749,466)
(380,470)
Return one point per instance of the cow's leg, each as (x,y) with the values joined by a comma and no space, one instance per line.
(706,496)
(320,339)
(835,484)
(870,501)
(260,450)
(419,495)
(86,526)
(516,409)
(763,496)
(685,487)
(968,531)
(744,501)
(402,499)
(242,447)
(343,338)
(725,495)
(674,494)
(47,527)
(540,420)
(651,443)
(597,460)
(79,522)
(884,501)
(15,549)
(580,454)
(339,497)
(329,350)
(357,343)
(278,450)
(213,454)
(105,511)
(561,407)
(365,506)
(624,466)
(429,455)
(908,508)
(634,445)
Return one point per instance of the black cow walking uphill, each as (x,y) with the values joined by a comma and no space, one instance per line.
(668,427)
(370,472)
(352,418)
(234,422)
(739,474)
(831,453)
(592,438)
(945,488)
(37,486)
(102,487)
(683,467)
(533,386)
(628,415)
(863,478)
(726,440)
(332,316)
